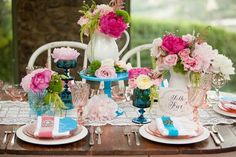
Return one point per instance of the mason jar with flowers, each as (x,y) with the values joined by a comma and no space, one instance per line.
(144,83)
(43,87)
(103,24)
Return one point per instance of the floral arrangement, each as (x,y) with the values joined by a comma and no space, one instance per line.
(64,54)
(44,80)
(189,54)
(107,68)
(108,19)
(145,78)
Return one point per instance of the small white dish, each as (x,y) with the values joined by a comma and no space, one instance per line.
(74,138)
(196,139)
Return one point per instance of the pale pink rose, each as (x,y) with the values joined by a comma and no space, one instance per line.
(155,50)
(106,72)
(188,38)
(103,9)
(64,54)
(192,64)
(170,60)
(184,54)
(82,21)
(40,81)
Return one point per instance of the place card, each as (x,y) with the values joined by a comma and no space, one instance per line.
(174,102)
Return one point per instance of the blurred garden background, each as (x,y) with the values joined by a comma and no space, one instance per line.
(214,19)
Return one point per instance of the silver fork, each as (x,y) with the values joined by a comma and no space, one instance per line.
(13,136)
(127,133)
(135,131)
(5,136)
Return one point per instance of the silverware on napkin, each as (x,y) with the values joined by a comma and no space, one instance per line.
(5,136)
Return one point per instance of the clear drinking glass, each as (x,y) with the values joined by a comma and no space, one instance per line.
(80,94)
(218,81)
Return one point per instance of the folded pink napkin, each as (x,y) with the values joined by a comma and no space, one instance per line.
(54,127)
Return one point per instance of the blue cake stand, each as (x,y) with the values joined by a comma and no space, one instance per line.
(107,81)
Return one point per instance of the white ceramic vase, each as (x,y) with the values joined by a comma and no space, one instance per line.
(102,47)
(178,81)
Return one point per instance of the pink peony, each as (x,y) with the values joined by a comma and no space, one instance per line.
(106,72)
(40,81)
(188,38)
(64,54)
(170,60)
(103,9)
(135,72)
(112,25)
(173,44)
(184,54)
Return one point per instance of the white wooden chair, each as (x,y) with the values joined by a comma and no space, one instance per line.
(136,51)
(49,47)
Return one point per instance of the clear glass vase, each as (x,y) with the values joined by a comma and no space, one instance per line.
(37,104)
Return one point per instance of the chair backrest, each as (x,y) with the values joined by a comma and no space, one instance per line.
(48,48)
(137,50)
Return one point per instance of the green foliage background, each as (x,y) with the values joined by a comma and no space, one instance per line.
(144,31)
(6,71)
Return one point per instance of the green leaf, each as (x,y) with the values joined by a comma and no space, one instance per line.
(124,14)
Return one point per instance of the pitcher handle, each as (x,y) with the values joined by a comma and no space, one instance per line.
(126,43)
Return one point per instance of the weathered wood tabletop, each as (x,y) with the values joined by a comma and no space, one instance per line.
(115,143)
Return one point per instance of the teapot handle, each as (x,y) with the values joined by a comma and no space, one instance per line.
(126,43)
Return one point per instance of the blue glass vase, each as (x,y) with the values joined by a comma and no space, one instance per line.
(37,103)
(66,94)
(141,99)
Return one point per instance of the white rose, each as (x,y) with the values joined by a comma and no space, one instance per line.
(224,65)
(144,82)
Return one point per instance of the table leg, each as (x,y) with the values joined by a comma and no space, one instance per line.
(107,88)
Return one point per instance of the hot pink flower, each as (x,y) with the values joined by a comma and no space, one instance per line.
(135,72)
(106,72)
(40,81)
(64,54)
(173,44)
(184,54)
(112,25)
(170,60)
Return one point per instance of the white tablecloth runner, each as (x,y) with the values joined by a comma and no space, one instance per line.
(13,112)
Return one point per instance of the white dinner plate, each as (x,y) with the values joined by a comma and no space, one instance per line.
(196,139)
(217,109)
(77,137)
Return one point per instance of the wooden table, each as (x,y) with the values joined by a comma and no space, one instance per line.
(115,143)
